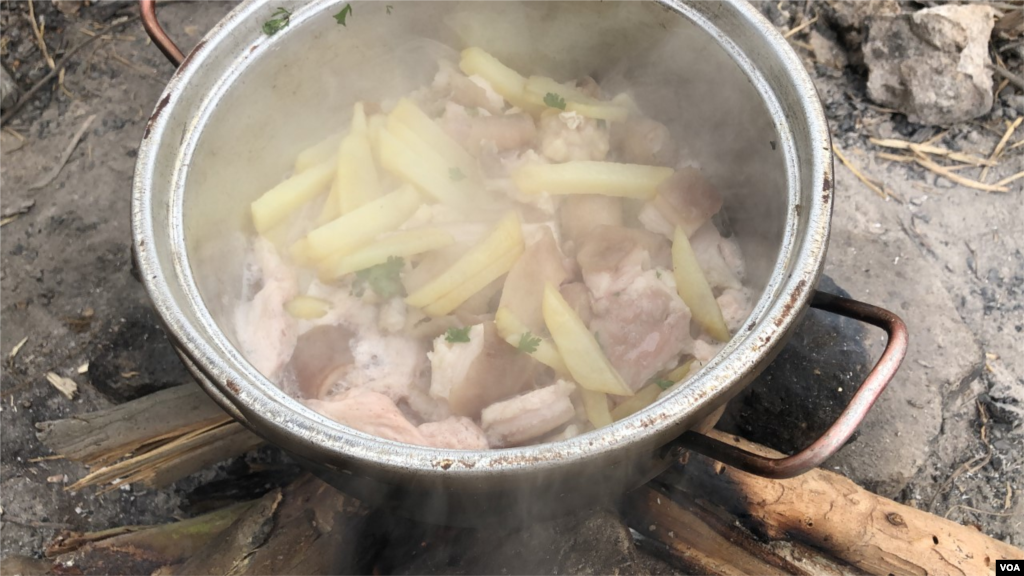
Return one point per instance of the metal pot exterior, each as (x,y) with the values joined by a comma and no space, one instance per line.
(211,147)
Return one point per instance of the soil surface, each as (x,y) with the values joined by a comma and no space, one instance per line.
(947,258)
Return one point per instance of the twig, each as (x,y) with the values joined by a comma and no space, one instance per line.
(1000,146)
(1013,78)
(930,149)
(1009,179)
(975,510)
(64,157)
(35,523)
(860,176)
(39,35)
(53,73)
(796,30)
(942,171)
(935,138)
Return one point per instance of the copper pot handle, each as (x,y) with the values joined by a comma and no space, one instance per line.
(157,34)
(840,431)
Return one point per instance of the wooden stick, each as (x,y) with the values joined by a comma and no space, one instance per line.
(794,31)
(1013,178)
(830,514)
(930,149)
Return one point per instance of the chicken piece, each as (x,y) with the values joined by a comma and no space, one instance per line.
(470,92)
(517,420)
(704,349)
(611,257)
(504,131)
(578,297)
(640,140)
(371,413)
(590,87)
(643,328)
(686,200)
(322,356)
(567,136)
(735,306)
(719,258)
(455,433)
(386,364)
(474,374)
(266,332)
(578,214)
(524,286)
(424,406)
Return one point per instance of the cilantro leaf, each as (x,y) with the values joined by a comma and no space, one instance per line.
(455,174)
(664,384)
(279,21)
(601,123)
(528,343)
(345,13)
(454,335)
(388,8)
(554,101)
(384,278)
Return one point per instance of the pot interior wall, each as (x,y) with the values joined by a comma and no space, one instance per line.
(300,86)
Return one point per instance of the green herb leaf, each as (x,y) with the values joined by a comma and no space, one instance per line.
(279,21)
(528,343)
(658,274)
(554,101)
(454,335)
(664,384)
(601,123)
(388,8)
(455,174)
(345,13)
(384,279)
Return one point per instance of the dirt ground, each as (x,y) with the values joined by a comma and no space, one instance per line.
(947,436)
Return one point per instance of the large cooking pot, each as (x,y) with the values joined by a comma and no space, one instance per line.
(242,104)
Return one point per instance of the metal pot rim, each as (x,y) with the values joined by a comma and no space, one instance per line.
(256,401)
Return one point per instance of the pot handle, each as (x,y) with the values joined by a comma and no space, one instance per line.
(157,34)
(840,431)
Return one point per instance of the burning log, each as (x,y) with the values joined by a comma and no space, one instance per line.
(712,519)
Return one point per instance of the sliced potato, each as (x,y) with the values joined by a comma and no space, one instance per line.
(512,329)
(406,112)
(494,270)
(679,373)
(579,349)
(506,237)
(277,203)
(586,177)
(318,153)
(403,244)
(510,84)
(374,126)
(524,287)
(694,289)
(307,307)
(596,405)
(359,227)
(422,170)
(644,398)
(538,87)
(356,182)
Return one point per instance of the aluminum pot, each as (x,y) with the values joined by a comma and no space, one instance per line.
(243,103)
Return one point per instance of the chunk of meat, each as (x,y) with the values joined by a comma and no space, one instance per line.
(471,375)
(579,214)
(704,349)
(567,136)
(387,364)
(644,328)
(612,257)
(719,258)
(540,263)
(517,420)
(590,87)
(322,356)
(470,92)
(456,433)
(640,140)
(735,306)
(266,332)
(503,132)
(686,200)
(578,297)
(370,412)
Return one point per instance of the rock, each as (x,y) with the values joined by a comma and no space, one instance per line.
(8,89)
(931,65)
(68,7)
(851,18)
(827,52)
(1005,393)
